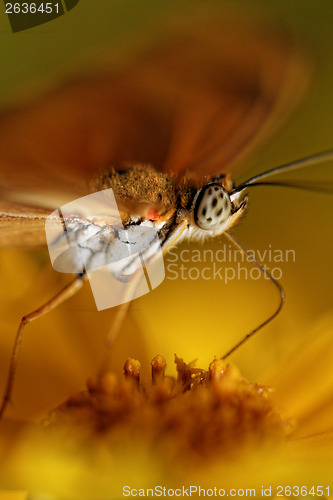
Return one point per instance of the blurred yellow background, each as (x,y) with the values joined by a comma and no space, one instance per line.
(195,319)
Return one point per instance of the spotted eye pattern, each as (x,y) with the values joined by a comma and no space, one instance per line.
(212,207)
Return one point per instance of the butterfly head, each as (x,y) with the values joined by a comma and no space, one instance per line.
(215,209)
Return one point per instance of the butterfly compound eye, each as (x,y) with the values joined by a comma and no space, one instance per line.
(212,207)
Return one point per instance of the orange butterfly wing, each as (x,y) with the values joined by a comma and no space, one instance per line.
(22,225)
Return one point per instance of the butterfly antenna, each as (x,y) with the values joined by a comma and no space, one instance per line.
(313,187)
(307,161)
(268,275)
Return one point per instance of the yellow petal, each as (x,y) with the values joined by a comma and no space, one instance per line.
(304,385)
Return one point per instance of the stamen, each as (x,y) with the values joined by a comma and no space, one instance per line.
(200,414)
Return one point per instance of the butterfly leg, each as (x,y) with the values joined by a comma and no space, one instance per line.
(273,280)
(174,234)
(118,321)
(54,302)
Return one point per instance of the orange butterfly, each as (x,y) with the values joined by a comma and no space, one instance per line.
(190,106)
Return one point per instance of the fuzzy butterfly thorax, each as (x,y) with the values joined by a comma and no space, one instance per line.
(141,189)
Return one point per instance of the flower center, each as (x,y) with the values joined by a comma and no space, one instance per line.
(199,413)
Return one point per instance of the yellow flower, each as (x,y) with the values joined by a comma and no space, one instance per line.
(208,429)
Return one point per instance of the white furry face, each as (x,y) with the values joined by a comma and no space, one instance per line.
(212,207)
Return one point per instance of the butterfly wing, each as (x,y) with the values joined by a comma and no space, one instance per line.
(22,225)
(194,101)
(237,87)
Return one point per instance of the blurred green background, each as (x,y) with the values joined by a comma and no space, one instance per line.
(195,319)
